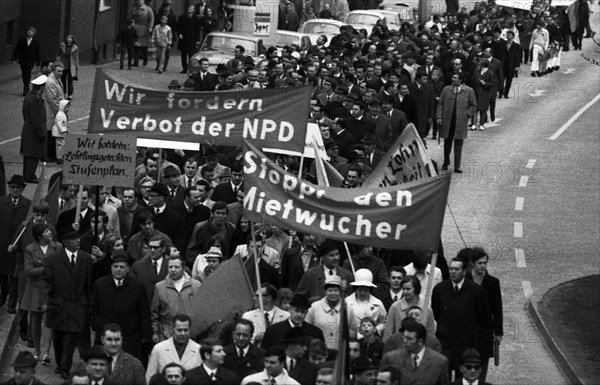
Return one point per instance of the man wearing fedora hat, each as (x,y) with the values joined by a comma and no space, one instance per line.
(363,371)
(166,220)
(13,211)
(97,365)
(171,176)
(65,293)
(121,299)
(24,367)
(470,367)
(276,333)
(298,366)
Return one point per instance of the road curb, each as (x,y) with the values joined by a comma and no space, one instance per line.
(9,337)
(557,353)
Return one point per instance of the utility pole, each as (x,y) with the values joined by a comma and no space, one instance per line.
(424,11)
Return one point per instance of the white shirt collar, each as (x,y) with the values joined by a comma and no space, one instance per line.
(326,270)
(209,370)
(392,294)
(465,382)
(160,209)
(460,284)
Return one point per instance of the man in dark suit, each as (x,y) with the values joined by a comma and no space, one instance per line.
(243,358)
(65,290)
(192,212)
(398,120)
(276,333)
(171,177)
(461,311)
(166,220)
(66,220)
(152,268)
(470,368)
(227,191)
(372,155)
(121,299)
(13,211)
(299,368)
(512,62)
(406,103)
(212,371)
(456,67)
(27,53)
(359,124)
(125,368)
(311,284)
(292,263)
(417,363)
(496,70)
(188,31)
(344,139)
(204,80)
(429,66)
(423,95)
(382,123)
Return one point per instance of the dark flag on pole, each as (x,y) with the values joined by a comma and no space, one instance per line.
(340,368)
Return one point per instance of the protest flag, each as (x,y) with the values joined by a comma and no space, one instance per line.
(52,199)
(224,293)
(406,161)
(340,367)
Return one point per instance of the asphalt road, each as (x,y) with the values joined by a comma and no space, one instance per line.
(532,202)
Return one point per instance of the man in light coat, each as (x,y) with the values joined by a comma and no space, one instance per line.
(456,106)
(53,94)
(176,294)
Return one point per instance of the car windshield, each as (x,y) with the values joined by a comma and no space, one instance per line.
(228,43)
(361,18)
(283,40)
(391,19)
(321,28)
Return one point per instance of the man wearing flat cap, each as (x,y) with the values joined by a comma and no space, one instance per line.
(121,299)
(276,333)
(97,364)
(24,367)
(13,211)
(65,290)
(363,371)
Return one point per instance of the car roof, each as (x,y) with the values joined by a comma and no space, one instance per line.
(242,36)
(367,12)
(326,21)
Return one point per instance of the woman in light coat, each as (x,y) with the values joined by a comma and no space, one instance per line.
(68,55)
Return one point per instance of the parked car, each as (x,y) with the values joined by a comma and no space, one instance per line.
(366,19)
(288,38)
(405,11)
(219,48)
(317,27)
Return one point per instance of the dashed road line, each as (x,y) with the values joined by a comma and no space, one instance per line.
(520,258)
(574,118)
(523,181)
(531,163)
(10,140)
(527,289)
(519,204)
(518,231)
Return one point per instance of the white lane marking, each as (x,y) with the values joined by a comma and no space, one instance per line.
(9,140)
(568,71)
(527,289)
(537,93)
(531,163)
(523,181)
(520,257)
(574,118)
(80,119)
(518,230)
(519,204)
(495,123)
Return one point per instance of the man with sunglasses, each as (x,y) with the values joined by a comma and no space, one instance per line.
(470,367)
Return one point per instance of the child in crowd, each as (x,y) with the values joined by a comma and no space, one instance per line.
(370,345)
(60,128)
(162,38)
(127,38)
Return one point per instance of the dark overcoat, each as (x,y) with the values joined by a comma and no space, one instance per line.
(33,134)
(11,218)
